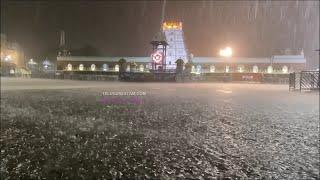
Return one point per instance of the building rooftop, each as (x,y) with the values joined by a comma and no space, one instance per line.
(172,26)
(104,59)
(208,60)
(195,60)
(289,59)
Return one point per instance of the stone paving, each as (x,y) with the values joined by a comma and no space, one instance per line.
(57,129)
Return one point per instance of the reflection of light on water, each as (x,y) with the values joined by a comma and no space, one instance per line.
(224,91)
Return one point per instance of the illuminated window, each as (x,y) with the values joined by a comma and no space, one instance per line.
(240,69)
(105,67)
(285,69)
(193,69)
(81,67)
(198,69)
(270,69)
(227,69)
(116,68)
(93,67)
(255,69)
(141,68)
(128,68)
(7,58)
(46,63)
(212,68)
(69,67)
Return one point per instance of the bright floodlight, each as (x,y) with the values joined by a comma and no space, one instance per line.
(7,58)
(31,62)
(227,52)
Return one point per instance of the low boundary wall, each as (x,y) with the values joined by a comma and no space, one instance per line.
(165,76)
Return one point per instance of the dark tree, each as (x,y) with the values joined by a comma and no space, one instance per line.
(179,63)
(122,63)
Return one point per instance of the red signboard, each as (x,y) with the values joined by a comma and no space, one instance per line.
(246,76)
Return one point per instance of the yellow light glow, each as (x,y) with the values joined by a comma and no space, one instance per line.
(7,58)
(69,67)
(116,68)
(227,52)
(81,67)
(255,69)
(270,69)
(141,68)
(285,69)
(227,69)
(171,25)
(93,67)
(240,68)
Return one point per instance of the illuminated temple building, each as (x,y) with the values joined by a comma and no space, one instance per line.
(12,57)
(176,49)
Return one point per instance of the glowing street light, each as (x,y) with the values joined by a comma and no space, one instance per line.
(46,63)
(31,62)
(7,58)
(227,52)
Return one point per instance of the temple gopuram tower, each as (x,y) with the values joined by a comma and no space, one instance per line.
(63,51)
(176,48)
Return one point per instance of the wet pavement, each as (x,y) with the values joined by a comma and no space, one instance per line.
(176,131)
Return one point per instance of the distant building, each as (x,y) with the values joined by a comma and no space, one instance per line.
(12,57)
(176,49)
(63,51)
(11,52)
(275,64)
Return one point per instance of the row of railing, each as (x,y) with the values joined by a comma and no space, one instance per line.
(304,80)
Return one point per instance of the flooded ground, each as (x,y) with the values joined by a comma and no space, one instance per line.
(61,129)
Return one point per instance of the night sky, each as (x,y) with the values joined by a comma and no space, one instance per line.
(125,28)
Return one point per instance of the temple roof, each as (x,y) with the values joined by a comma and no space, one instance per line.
(159,38)
(103,59)
(195,60)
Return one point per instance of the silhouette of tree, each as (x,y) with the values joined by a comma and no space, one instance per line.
(122,62)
